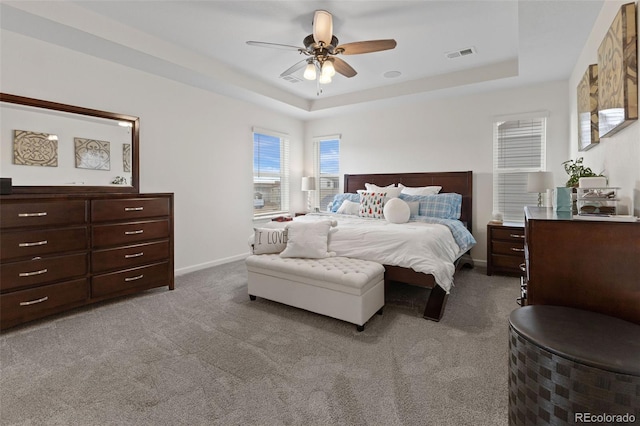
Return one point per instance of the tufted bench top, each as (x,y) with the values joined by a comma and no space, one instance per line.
(352,275)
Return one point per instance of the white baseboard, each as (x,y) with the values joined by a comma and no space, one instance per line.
(210,264)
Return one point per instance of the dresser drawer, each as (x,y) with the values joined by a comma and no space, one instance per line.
(508,248)
(508,234)
(27,305)
(135,278)
(126,233)
(129,208)
(22,244)
(129,256)
(28,273)
(45,213)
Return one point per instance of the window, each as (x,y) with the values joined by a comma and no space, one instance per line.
(327,155)
(270,173)
(519,147)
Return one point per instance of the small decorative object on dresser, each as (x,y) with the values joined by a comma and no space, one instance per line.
(505,248)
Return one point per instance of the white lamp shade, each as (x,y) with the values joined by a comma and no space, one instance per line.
(310,71)
(322,27)
(324,78)
(328,68)
(308,183)
(539,181)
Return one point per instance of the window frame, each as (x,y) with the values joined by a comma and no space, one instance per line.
(519,184)
(285,172)
(337,177)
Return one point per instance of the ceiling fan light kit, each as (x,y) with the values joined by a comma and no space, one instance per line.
(322,27)
(322,47)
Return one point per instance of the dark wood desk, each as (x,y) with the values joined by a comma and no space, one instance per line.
(588,265)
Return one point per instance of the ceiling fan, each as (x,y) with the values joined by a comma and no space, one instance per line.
(321,48)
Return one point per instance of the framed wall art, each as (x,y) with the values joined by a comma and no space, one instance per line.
(92,154)
(35,149)
(618,73)
(588,132)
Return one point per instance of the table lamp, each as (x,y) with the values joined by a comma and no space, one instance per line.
(539,182)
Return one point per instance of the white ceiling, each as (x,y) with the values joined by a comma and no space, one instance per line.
(203,43)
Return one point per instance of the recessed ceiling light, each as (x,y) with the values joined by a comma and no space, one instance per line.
(392,74)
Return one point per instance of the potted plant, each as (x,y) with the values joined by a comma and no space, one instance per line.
(575,169)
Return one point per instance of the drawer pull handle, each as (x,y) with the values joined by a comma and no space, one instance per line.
(134,278)
(517,249)
(516,236)
(30,274)
(33,302)
(129,256)
(37,243)
(139,231)
(39,214)
(133,209)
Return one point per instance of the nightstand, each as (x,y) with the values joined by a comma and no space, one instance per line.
(505,248)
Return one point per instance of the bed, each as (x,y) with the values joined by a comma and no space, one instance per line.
(457,182)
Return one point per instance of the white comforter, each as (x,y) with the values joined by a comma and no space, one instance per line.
(424,247)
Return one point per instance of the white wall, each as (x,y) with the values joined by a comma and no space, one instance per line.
(618,156)
(446,135)
(194,143)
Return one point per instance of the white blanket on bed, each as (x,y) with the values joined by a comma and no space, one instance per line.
(424,247)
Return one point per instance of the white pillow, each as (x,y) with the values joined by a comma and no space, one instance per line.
(269,240)
(391,190)
(308,239)
(419,190)
(397,211)
(349,207)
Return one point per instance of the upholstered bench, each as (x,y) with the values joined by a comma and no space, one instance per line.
(348,289)
(569,366)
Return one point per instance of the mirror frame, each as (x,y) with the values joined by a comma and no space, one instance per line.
(70,189)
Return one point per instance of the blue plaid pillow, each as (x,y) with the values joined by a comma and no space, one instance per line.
(444,206)
(339,198)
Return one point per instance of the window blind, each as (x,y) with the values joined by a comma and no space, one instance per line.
(519,147)
(327,169)
(270,173)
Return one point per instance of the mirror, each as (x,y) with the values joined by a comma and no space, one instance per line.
(48,147)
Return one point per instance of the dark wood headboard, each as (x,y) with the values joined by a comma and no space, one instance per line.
(458,182)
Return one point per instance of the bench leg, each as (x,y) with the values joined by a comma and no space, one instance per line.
(379,311)
(360,328)
(252,297)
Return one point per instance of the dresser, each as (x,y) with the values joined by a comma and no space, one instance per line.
(58,252)
(505,248)
(589,265)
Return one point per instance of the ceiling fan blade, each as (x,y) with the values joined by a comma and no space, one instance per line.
(274,45)
(342,67)
(294,68)
(358,47)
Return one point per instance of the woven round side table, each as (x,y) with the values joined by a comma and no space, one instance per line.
(568,366)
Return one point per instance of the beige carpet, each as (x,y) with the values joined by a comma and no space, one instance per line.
(205,354)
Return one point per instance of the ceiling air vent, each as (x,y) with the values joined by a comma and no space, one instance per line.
(459,53)
(291,79)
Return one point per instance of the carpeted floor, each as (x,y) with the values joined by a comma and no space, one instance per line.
(205,354)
